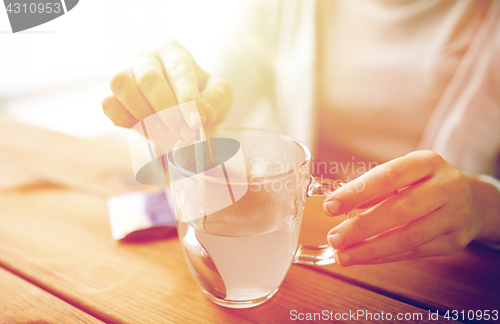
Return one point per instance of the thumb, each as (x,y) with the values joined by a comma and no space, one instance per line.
(217,97)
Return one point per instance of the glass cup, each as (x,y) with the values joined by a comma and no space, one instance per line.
(240,253)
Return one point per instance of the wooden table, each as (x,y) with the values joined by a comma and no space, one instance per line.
(59,263)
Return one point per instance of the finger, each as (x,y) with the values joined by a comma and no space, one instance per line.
(382,179)
(438,247)
(400,240)
(217,97)
(118,114)
(180,71)
(378,200)
(410,204)
(174,46)
(125,89)
(148,73)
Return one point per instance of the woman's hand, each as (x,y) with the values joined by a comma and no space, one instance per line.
(162,79)
(432,209)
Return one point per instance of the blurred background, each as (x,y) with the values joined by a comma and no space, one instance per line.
(55,75)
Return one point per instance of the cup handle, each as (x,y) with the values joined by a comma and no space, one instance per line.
(322,254)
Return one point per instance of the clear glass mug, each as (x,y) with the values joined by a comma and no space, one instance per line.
(240,253)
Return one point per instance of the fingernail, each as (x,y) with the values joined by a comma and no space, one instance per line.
(335,240)
(194,118)
(331,207)
(342,258)
(186,133)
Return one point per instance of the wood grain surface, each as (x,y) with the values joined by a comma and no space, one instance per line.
(98,166)
(24,303)
(60,240)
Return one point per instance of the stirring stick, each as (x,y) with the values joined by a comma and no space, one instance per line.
(211,153)
(199,139)
(198,152)
(200,161)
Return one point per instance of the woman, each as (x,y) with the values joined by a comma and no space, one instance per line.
(412,84)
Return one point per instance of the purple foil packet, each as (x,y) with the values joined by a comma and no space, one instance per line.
(141,212)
